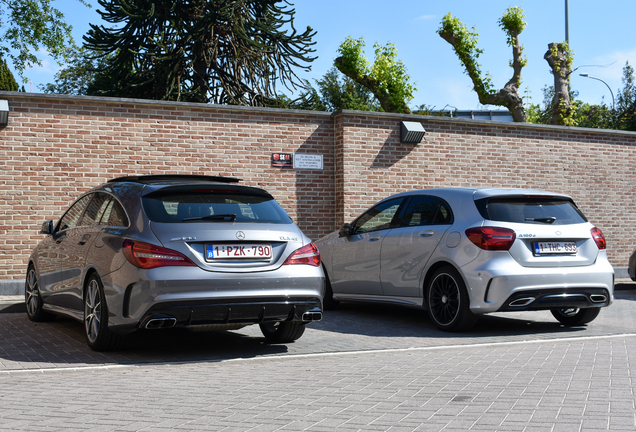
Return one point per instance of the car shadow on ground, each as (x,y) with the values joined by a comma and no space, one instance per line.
(373,319)
(352,327)
(61,343)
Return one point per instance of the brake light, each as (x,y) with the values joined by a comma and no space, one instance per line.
(147,256)
(309,255)
(491,238)
(599,238)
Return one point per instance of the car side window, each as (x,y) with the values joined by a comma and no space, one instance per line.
(426,210)
(378,217)
(72,216)
(95,209)
(114,215)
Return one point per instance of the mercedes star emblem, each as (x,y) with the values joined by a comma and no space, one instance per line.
(240,235)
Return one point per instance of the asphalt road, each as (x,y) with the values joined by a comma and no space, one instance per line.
(362,368)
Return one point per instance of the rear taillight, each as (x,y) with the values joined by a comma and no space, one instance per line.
(599,238)
(147,256)
(309,255)
(491,238)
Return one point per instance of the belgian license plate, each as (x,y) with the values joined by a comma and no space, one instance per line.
(544,248)
(237,251)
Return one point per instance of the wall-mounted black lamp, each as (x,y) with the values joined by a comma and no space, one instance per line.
(4,112)
(411,132)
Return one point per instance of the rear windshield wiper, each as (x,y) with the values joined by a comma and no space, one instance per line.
(230,217)
(547,220)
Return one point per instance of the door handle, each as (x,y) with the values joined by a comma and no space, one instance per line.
(426,233)
(376,238)
(84,239)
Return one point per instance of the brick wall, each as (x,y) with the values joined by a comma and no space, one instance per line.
(596,167)
(58,146)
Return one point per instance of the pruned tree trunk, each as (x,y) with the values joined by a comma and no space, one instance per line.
(558,57)
(374,86)
(508,96)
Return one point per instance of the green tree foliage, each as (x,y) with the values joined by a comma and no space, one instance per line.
(464,42)
(386,79)
(621,117)
(307,100)
(218,51)
(340,92)
(626,101)
(78,77)
(7,80)
(28,25)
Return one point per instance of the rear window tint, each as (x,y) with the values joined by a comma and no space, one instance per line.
(531,210)
(194,206)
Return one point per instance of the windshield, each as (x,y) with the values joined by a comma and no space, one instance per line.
(191,206)
(532,210)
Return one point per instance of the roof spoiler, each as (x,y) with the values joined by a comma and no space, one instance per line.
(156,177)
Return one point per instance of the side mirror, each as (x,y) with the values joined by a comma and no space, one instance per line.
(47,227)
(345,230)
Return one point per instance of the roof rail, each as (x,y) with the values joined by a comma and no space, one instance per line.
(158,177)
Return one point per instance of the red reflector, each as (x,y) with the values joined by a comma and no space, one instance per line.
(309,255)
(599,238)
(147,256)
(491,238)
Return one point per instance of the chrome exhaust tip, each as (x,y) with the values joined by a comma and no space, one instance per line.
(157,323)
(521,302)
(598,298)
(312,316)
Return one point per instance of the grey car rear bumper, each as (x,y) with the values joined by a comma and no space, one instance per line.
(557,299)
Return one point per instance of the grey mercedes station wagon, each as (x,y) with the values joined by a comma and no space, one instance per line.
(161,251)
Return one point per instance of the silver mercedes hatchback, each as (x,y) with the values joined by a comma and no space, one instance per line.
(463,252)
(162,251)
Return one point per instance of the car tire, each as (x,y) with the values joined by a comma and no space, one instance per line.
(328,302)
(33,299)
(575,316)
(98,336)
(448,301)
(282,332)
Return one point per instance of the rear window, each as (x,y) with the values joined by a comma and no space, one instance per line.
(553,211)
(177,206)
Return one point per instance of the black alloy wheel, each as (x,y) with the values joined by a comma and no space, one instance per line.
(575,316)
(98,336)
(448,302)
(282,332)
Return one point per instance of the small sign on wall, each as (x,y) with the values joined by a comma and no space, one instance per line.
(308,161)
(282,160)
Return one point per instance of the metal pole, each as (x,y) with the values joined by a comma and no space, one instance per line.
(567,23)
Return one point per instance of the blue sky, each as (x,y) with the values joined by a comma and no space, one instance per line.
(601,36)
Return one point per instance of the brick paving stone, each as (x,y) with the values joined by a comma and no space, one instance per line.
(495,378)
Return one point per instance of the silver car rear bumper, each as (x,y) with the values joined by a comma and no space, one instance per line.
(504,285)
(189,296)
